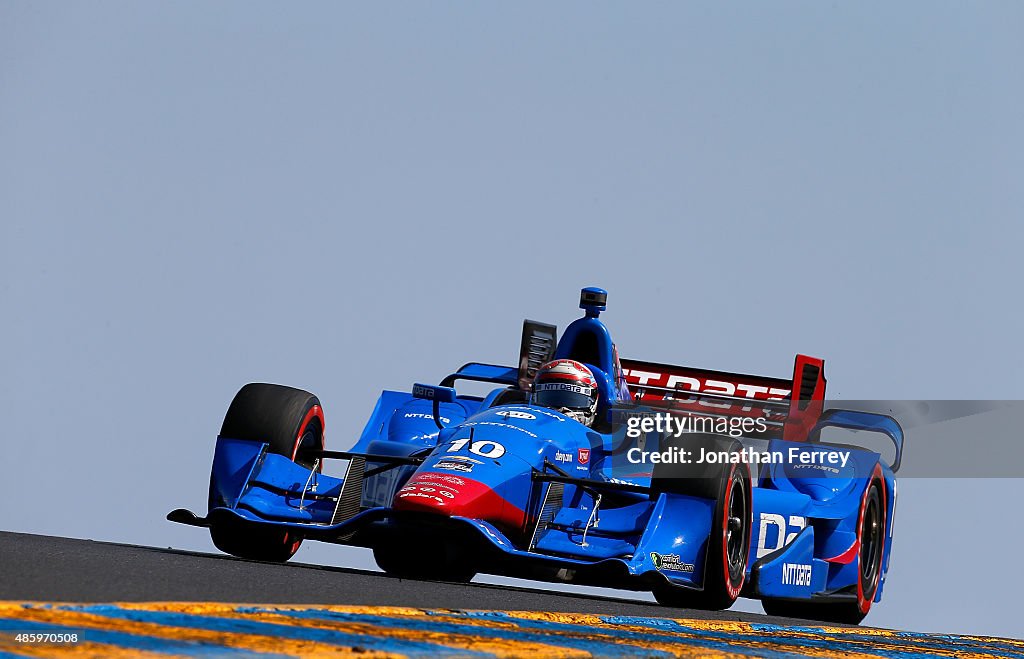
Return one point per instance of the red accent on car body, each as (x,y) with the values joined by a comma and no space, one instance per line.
(433,492)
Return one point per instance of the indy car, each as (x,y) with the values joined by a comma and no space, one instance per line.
(444,485)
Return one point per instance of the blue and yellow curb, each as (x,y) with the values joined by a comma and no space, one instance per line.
(181,629)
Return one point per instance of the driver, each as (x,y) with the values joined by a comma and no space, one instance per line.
(568,387)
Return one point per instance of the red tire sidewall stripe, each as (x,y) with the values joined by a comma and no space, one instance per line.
(732,589)
(864,603)
(315,412)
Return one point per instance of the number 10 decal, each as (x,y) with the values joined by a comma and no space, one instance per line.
(482,447)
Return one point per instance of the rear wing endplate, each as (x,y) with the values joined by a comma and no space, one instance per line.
(868,421)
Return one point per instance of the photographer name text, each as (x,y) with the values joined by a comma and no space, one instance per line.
(830,461)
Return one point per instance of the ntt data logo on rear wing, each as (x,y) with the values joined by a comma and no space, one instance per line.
(705,385)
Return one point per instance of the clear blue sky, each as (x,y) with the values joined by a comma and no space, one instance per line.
(351,197)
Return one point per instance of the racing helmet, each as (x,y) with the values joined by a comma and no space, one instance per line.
(569,387)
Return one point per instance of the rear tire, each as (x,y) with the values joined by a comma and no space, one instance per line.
(871,534)
(291,421)
(729,542)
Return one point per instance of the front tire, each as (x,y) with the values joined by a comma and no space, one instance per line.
(729,542)
(291,421)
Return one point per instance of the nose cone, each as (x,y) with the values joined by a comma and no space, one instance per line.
(453,495)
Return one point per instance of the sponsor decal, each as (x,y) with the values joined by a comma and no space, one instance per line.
(796,574)
(705,385)
(420,391)
(583,455)
(563,457)
(500,425)
(515,414)
(831,470)
(454,465)
(769,520)
(424,488)
(418,495)
(445,478)
(564,386)
(670,562)
(439,486)
(464,458)
(420,415)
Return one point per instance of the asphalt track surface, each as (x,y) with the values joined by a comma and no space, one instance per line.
(99,599)
(53,569)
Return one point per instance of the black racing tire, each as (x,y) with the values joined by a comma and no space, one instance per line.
(871,534)
(291,421)
(430,563)
(728,547)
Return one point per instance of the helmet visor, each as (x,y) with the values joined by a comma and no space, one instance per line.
(558,395)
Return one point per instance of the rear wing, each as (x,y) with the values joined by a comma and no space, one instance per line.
(790,408)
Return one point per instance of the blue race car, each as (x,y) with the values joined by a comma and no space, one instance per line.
(442,485)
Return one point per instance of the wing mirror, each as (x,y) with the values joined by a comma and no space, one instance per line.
(437,395)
